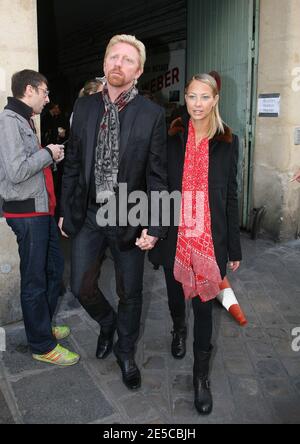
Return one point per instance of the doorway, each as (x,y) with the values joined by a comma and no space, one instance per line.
(223,37)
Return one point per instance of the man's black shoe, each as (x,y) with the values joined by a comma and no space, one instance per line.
(105,342)
(131,374)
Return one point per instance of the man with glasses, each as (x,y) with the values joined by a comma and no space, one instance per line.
(45,91)
(26,187)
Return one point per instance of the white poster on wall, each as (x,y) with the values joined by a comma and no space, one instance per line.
(164,77)
(269,105)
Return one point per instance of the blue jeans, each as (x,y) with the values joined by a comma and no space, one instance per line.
(88,249)
(41,268)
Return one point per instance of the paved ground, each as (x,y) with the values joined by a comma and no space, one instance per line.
(255,376)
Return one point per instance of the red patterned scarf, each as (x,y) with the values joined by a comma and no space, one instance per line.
(195,263)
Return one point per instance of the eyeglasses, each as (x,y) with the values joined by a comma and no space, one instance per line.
(45,91)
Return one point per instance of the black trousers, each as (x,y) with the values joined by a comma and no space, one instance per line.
(88,249)
(203,323)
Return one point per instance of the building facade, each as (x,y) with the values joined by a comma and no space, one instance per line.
(254,44)
(18,50)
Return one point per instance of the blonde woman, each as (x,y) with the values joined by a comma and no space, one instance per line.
(202,160)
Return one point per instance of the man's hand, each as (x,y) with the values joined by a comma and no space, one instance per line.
(296,177)
(234,266)
(146,242)
(60,224)
(57,151)
(62,154)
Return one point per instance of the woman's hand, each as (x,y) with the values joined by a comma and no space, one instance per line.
(146,242)
(234,266)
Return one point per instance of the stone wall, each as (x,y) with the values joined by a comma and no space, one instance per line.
(18,50)
(276,155)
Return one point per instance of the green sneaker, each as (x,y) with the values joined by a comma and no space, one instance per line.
(61,332)
(58,356)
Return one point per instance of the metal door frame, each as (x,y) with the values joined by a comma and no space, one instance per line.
(254,21)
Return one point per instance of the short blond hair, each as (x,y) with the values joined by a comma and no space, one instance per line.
(131,40)
(216,122)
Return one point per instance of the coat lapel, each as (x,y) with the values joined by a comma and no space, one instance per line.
(185,136)
(94,118)
(212,145)
(128,123)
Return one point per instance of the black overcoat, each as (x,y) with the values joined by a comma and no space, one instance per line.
(223,198)
(142,161)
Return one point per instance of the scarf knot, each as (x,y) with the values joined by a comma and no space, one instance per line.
(108,144)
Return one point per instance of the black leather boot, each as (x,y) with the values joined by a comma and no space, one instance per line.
(106,339)
(203,396)
(178,346)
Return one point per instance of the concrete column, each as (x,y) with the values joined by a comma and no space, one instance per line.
(276,155)
(18,50)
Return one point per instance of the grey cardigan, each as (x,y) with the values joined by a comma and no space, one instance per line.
(22,163)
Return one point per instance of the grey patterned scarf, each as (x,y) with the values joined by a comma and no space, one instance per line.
(108,144)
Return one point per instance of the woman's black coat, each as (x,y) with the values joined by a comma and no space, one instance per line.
(223,199)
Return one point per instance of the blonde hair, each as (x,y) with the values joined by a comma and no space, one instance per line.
(131,40)
(216,122)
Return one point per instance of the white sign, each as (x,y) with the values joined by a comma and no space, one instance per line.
(164,76)
(297,136)
(2,340)
(269,105)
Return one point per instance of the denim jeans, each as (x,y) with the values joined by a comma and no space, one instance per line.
(41,268)
(88,250)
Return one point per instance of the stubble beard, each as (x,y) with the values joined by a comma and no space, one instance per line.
(116,81)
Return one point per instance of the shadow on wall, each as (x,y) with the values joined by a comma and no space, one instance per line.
(230,104)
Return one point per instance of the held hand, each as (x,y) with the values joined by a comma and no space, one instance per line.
(234,266)
(146,242)
(60,224)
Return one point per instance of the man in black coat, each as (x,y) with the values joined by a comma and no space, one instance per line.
(117,142)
